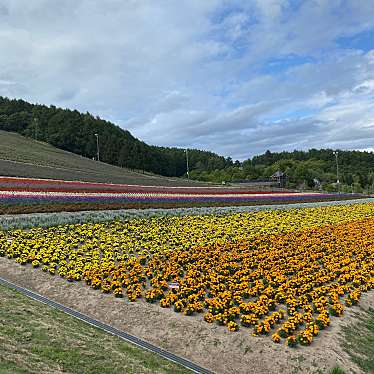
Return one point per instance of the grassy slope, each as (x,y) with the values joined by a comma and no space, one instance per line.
(41,160)
(359,342)
(37,339)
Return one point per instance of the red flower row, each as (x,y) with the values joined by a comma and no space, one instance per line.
(42,185)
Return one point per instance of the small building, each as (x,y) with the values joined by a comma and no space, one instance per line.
(317,183)
(279,178)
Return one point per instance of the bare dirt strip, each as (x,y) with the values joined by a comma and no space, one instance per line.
(211,346)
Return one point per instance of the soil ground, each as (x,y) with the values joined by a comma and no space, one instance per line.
(211,346)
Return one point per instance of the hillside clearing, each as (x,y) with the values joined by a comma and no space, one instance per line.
(25,157)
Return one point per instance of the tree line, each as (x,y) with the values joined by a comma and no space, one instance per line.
(312,169)
(75,132)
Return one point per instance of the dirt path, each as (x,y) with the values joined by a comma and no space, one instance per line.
(211,346)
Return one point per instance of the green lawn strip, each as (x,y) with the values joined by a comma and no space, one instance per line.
(359,341)
(36,338)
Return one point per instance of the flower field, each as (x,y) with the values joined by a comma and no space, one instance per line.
(18,194)
(286,274)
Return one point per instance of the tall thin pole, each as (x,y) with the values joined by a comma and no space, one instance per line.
(35,128)
(188,168)
(97,147)
(337,168)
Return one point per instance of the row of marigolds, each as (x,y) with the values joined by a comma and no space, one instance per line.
(285,285)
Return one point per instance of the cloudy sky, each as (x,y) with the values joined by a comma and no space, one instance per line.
(236,77)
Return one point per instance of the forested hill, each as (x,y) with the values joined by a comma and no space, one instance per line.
(75,132)
(356,169)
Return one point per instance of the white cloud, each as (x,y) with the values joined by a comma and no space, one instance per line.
(234,77)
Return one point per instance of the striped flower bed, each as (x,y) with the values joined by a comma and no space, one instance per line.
(24,191)
(27,184)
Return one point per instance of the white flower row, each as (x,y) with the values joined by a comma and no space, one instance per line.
(20,221)
(148,194)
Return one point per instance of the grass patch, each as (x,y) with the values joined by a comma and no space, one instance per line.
(359,342)
(35,338)
(337,370)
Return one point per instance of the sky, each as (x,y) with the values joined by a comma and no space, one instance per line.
(234,77)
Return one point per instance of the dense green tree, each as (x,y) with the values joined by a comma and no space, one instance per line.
(75,132)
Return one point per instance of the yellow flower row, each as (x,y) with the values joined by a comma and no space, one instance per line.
(281,271)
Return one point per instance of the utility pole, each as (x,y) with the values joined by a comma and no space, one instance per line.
(35,128)
(97,147)
(188,168)
(337,168)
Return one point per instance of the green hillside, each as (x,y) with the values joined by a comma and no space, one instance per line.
(75,132)
(25,157)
